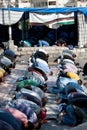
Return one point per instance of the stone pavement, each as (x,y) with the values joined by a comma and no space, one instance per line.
(51,105)
(51,108)
(81,127)
(8,85)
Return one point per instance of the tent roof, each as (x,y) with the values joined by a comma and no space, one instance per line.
(50,10)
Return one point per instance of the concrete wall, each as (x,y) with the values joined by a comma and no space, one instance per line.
(53,51)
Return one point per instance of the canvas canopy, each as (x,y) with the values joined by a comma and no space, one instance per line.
(50,18)
(13,15)
(9,18)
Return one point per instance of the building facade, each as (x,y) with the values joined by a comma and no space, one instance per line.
(16,3)
(43,3)
(33,3)
(49,3)
(76,3)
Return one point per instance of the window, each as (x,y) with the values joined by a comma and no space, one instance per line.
(45,3)
(25,1)
(52,2)
(42,4)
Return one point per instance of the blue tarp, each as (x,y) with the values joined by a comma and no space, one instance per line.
(50,10)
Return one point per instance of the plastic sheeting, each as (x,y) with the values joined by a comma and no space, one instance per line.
(62,10)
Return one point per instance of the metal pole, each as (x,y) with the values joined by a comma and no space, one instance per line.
(9,16)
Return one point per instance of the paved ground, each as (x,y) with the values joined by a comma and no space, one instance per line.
(7,88)
(52,105)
